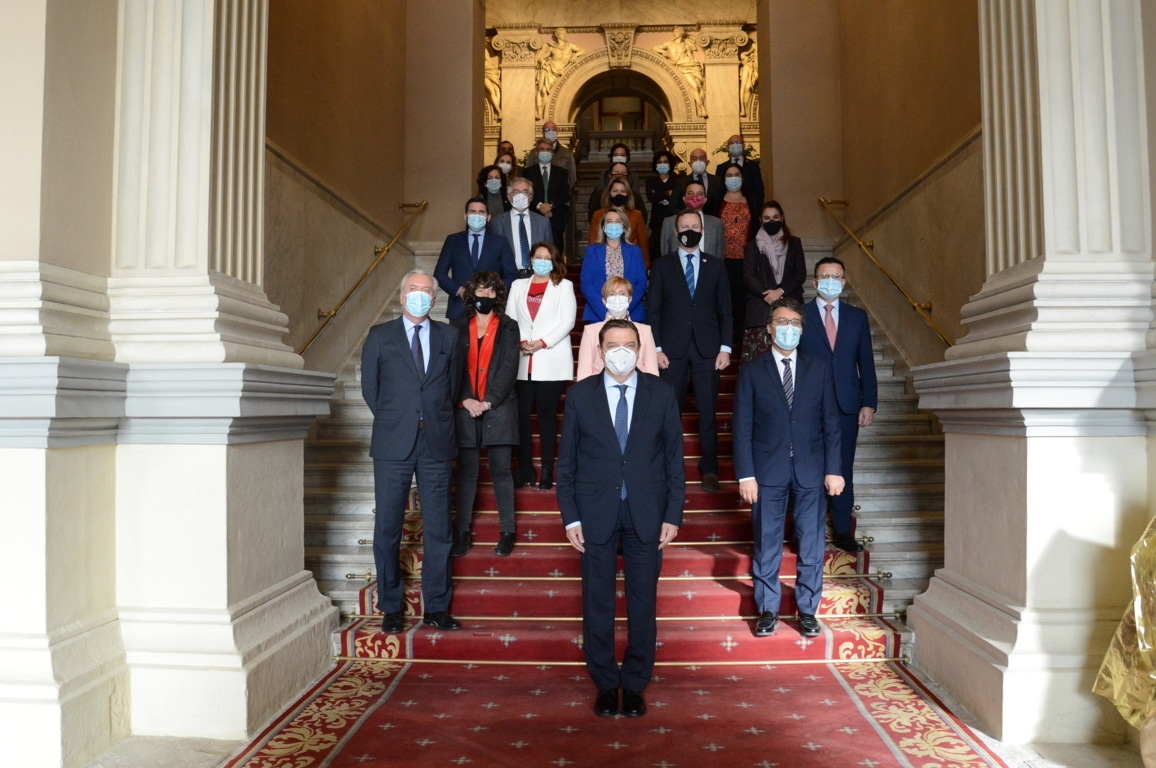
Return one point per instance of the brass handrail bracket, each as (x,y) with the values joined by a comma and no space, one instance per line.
(923,309)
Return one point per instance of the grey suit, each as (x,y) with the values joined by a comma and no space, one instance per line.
(413,432)
(713,236)
(504,225)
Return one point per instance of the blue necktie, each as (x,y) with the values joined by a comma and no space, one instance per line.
(621,425)
(418,353)
(788,382)
(690,272)
(474,250)
(524,240)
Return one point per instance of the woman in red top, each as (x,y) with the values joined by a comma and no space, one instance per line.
(487,413)
(739,225)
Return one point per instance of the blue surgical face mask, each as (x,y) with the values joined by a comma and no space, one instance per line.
(734,183)
(418,303)
(545,157)
(494,185)
(830,288)
(663,168)
(735,149)
(613,230)
(476,221)
(543,267)
(787,336)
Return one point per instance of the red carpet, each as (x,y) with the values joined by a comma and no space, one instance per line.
(375,713)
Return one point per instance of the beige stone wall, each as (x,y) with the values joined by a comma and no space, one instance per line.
(910,90)
(336,96)
(549,13)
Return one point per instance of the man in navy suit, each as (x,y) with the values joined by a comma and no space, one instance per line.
(411,370)
(786,440)
(551,188)
(521,226)
(464,254)
(690,314)
(844,341)
(752,173)
(620,483)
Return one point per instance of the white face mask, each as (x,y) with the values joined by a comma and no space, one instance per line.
(620,360)
(618,159)
(698,166)
(617,305)
(520,201)
(505,168)
(550,135)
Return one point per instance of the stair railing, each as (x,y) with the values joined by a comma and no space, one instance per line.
(923,309)
(380,252)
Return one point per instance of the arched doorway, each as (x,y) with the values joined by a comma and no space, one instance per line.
(620,105)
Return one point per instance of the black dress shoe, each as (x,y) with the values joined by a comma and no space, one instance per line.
(441,620)
(463,540)
(809,625)
(525,476)
(848,543)
(710,482)
(505,545)
(606,705)
(633,705)
(547,479)
(767,623)
(392,623)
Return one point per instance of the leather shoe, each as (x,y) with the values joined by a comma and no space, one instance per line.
(848,543)
(809,625)
(606,705)
(392,623)
(767,623)
(633,705)
(710,482)
(525,476)
(547,479)
(463,540)
(441,620)
(505,545)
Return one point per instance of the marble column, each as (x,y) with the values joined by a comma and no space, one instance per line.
(1043,401)
(721,46)
(519,52)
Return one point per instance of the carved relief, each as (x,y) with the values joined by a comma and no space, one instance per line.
(521,50)
(552,62)
(749,81)
(722,45)
(619,43)
(680,52)
(493,84)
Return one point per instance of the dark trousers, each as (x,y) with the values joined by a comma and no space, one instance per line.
(641,565)
(468,462)
(768,519)
(738,303)
(391,483)
(694,367)
(843,504)
(546,394)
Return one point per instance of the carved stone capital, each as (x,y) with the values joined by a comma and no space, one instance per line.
(619,44)
(722,45)
(517,50)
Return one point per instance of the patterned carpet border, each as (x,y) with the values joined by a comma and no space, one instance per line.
(913,728)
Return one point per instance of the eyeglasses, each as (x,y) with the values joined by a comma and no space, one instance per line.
(783,322)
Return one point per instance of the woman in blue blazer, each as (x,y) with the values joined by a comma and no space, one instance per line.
(609,255)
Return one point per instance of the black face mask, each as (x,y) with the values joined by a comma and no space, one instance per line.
(689,238)
(485,304)
(618,200)
(772,228)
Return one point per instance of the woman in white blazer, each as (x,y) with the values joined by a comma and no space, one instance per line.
(546,310)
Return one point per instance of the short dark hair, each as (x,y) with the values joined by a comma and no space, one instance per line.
(829,260)
(616,322)
(485,280)
(686,212)
(622,146)
(473,200)
(786,302)
(558,274)
(671,158)
(690,182)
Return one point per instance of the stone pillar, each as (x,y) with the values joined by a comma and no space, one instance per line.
(519,52)
(721,46)
(1047,460)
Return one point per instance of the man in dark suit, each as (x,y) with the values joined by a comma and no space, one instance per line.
(841,335)
(620,483)
(551,188)
(752,173)
(411,370)
(713,233)
(712,189)
(786,439)
(690,314)
(521,226)
(464,254)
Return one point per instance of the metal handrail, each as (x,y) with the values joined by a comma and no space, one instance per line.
(922,309)
(380,252)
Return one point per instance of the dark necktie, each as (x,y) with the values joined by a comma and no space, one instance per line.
(690,272)
(475,251)
(788,382)
(545,184)
(621,426)
(418,354)
(524,240)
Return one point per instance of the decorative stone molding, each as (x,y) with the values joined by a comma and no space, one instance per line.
(619,44)
(60,402)
(645,62)
(517,50)
(50,310)
(721,45)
